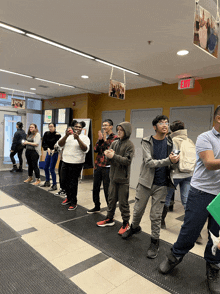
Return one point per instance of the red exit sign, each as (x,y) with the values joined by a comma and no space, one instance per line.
(186,84)
(2,96)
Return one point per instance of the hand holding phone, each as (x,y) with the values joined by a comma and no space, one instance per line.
(176,152)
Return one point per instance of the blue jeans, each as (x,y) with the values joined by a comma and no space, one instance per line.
(184,190)
(196,215)
(50,163)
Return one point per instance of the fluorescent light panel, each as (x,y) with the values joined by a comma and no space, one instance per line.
(58,45)
(121,68)
(17,90)
(54,83)
(15,73)
(12,29)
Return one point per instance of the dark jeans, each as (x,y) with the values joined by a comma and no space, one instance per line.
(196,215)
(50,163)
(32,160)
(70,176)
(19,152)
(60,175)
(100,174)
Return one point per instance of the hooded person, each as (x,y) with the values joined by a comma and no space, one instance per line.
(120,155)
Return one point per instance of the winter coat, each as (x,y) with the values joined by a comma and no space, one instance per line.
(18,137)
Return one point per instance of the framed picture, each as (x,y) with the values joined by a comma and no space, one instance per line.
(117,90)
(18,103)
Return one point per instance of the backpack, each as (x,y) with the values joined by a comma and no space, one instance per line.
(187,156)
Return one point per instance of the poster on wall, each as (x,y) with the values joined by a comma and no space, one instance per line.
(205,31)
(18,103)
(61,129)
(47,116)
(61,116)
(117,90)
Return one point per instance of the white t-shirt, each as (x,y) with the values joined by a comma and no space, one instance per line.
(72,153)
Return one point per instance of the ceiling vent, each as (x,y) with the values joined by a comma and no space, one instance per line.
(42,86)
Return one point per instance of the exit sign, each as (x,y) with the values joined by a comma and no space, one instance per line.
(186,84)
(2,96)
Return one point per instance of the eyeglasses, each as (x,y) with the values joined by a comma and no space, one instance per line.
(163,123)
(105,126)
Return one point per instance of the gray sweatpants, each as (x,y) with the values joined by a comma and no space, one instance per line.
(158,194)
(118,193)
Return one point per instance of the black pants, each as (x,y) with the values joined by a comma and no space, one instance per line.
(60,175)
(19,152)
(32,160)
(70,175)
(100,174)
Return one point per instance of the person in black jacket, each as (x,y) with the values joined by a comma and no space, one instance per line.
(17,147)
(49,140)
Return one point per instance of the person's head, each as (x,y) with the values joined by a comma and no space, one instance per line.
(19,125)
(52,127)
(177,125)
(161,124)
(217,116)
(77,126)
(107,126)
(124,130)
(32,130)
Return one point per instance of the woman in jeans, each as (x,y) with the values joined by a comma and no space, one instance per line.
(76,145)
(33,149)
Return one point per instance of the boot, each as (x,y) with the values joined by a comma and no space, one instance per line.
(213,277)
(19,170)
(53,188)
(37,182)
(164,214)
(152,251)
(169,263)
(46,184)
(14,169)
(29,180)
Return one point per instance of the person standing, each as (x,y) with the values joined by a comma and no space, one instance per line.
(17,147)
(48,143)
(62,191)
(204,187)
(76,145)
(120,155)
(33,150)
(102,167)
(153,181)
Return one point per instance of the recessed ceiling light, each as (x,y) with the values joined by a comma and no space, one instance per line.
(182,52)
(33,89)
(85,77)
(11,28)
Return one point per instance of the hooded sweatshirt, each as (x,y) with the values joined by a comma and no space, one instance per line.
(121,161)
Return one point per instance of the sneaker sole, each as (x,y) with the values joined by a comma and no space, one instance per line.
(89,212)
(67,203)
(107,225)
(72,209)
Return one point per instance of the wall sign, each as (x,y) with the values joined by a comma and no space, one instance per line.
(186,83)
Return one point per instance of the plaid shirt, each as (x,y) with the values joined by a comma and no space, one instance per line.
(100,147)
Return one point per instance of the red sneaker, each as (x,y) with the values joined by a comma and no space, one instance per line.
(65,202)
(124,228)
(106,222)
(72,207)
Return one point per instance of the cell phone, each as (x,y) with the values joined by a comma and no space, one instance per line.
(176,152)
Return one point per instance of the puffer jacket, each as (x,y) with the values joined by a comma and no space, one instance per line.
(121,161)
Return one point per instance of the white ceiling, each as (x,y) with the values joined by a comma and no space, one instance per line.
(117,31)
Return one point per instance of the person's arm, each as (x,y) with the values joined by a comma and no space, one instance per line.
(62,141)
(83,146)
(44,142)
(14,142)
(122,160)
(210,162)
(36,141)
(97,148)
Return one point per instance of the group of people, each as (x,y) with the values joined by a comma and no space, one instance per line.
(162,169)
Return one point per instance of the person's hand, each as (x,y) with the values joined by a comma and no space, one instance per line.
(24,143)
(174,158)
(219,245)
(75,135)
(51,152)
(104,136)
(109,153)
(12,151)
(100,136)
(69,131)
(48,151)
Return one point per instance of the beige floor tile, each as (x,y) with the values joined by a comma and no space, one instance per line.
(70,243)
(41,223)
(50,250)
(75,257)
(92,283)
(114,272)
(138,284)
(6,200)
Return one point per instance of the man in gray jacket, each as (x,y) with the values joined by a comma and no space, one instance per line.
(153,181)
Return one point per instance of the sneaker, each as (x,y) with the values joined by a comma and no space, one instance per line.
(93,210)
(60,193)
(46,184)
(106,222)
(73,207)
(169,263)
(124,228)
(14,169)
(130,232)
(29,180)
(66,202)
(153,249)
(53,188)
(213,277)
(19,170)
(37,182)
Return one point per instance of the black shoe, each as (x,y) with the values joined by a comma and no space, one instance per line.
(169,263)
(61,193)
(213,277)
(19,170)
(93,210)
(46,184)
(14,169)
(53,188)
(152,251)
(130,232)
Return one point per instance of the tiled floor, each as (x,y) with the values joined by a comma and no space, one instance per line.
(65,251)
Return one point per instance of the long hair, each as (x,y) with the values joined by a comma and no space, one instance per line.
(34,132)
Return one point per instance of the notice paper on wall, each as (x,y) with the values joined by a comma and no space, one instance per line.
(139,133)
